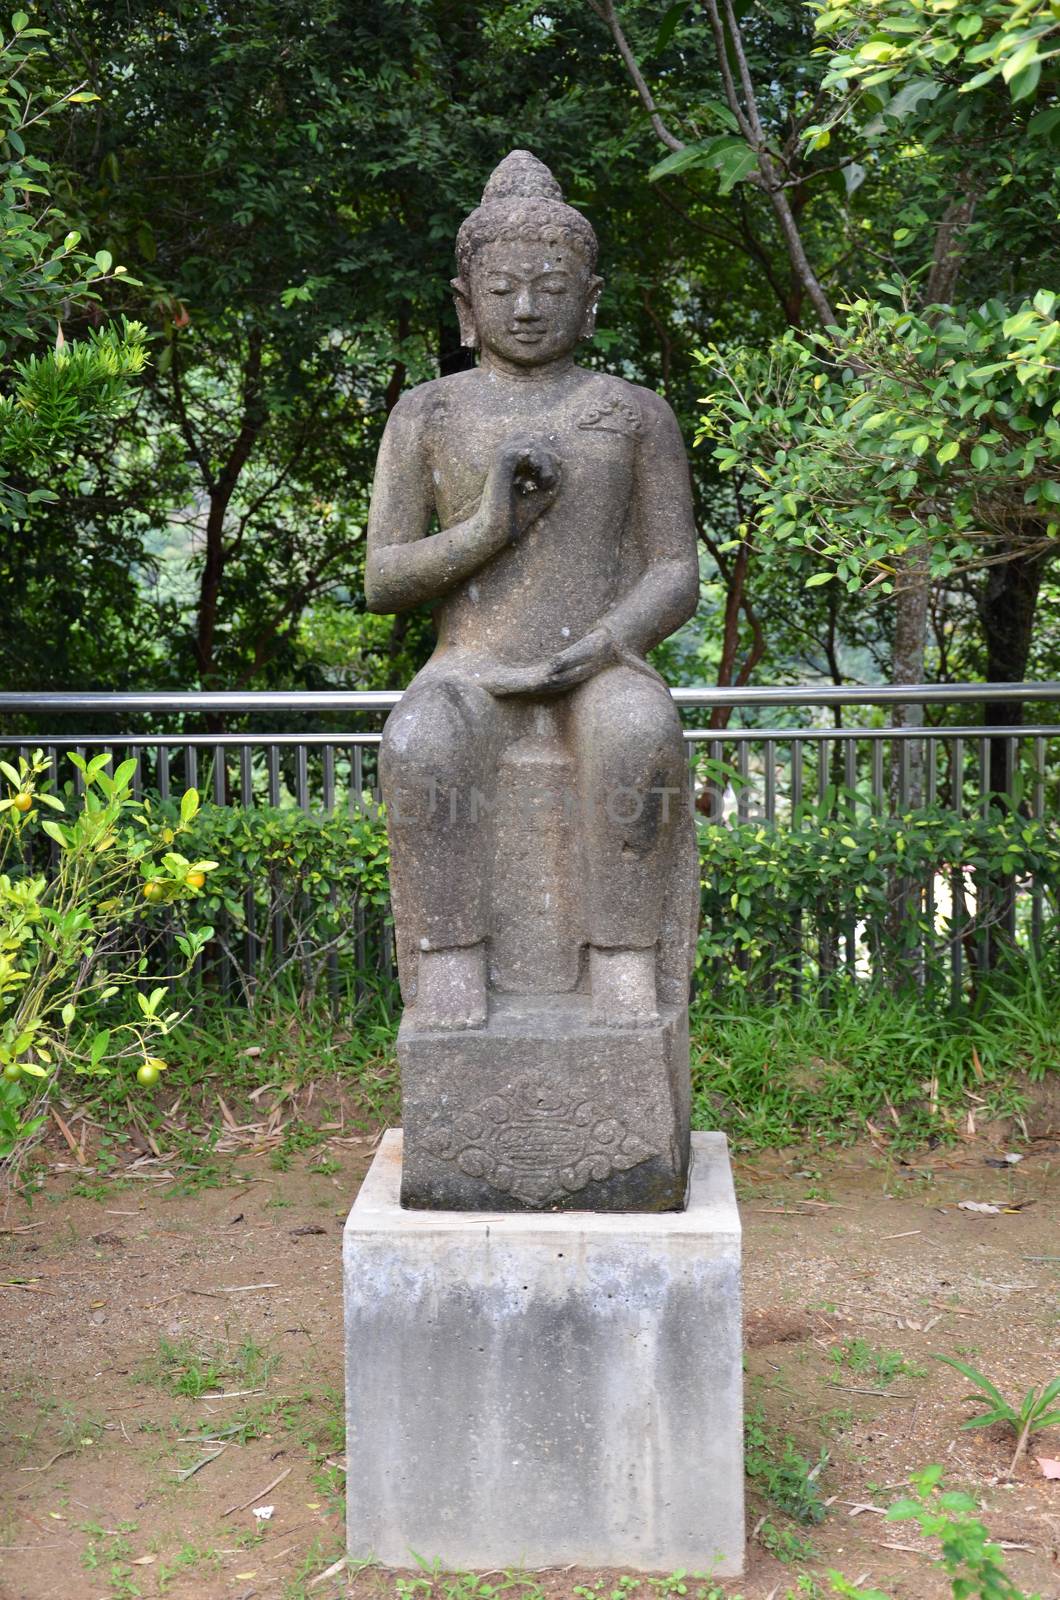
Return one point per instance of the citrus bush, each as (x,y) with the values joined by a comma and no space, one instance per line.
(294,891)
(80,878)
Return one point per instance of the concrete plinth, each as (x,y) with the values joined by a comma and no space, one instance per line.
(540,1389)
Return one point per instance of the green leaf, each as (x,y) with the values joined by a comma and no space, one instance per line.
(677,161)
(104,260)
(947,452)
(1026,82)
(668,25)
(980,457)
(736,165)
(19,21)
(54,831)
(189,804)
(817,579)
(69,1012)
(978,1378)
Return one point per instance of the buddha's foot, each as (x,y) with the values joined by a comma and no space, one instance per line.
(622,987)
(451,988)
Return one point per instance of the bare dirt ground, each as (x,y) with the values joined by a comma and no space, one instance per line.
(118,1292)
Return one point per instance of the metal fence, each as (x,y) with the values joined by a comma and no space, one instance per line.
(785,769)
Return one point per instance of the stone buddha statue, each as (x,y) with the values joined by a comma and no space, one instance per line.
(543,869)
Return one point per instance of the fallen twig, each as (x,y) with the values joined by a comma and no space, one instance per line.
(259,1494)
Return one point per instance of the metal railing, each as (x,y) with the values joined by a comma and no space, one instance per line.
(773,772)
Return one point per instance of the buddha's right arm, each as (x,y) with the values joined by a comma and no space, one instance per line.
(406,566)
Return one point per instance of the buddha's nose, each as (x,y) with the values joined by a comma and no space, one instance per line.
(524,309)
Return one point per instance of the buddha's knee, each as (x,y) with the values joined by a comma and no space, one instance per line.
(430,738)
(638,735)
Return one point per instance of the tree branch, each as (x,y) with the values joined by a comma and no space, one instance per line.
(606,11)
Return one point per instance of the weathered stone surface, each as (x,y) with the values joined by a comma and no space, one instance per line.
(545,1109)
(537,1389)
(535,776)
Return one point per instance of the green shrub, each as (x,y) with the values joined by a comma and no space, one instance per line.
(293,891)
(80,883)
(763,881)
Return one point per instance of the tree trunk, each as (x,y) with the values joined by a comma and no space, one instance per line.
(1006,607)
(1007,604)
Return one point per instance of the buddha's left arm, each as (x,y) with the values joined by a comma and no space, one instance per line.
(663,531)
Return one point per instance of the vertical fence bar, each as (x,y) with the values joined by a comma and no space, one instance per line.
(301,777)
(902,753)
(850,810)
(1010,889)
(876,779)
(301,794)
(220,797)
(824,751)
(191,781)
(1038,813)
(250,899)
(769,757)
(220,775)
(985,892)
(279,931)
(137,780)
(957,880)
(162,784)
(716,753)
(932,794)
(360,925)
(333,897)
(743,798)
(796,820)
(825,944)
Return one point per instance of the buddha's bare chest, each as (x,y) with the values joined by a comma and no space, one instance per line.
(593,438)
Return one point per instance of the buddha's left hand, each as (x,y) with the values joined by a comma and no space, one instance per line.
(552,676)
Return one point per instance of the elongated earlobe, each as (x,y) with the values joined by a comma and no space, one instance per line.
(589,325)
(464,314)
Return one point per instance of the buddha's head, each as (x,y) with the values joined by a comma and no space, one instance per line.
(526,289)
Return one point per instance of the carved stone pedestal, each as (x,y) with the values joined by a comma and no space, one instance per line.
(544,1109)
(534,1389)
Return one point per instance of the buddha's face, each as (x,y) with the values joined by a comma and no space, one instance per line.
(531,302)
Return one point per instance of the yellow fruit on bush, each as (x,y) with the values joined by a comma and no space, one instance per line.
(153,891)
(195,880)
(22,801)
(147,1074)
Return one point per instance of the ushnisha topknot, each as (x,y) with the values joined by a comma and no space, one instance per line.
(522,200)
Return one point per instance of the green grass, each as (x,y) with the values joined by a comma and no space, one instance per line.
(183,1368)
(883,1366)
(768,1072)
(773,1073)
(780,1473)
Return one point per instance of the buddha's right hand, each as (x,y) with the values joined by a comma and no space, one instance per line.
(523,482)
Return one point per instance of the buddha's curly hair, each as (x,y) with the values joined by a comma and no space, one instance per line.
(523,201)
